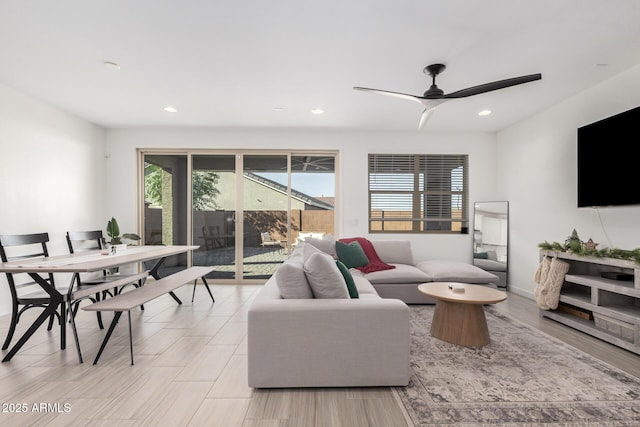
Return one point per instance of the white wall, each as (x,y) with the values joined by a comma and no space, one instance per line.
(51,169)
(352,178)
(538,176)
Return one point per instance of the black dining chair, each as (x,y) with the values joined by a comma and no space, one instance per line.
(25,292)
(79,241)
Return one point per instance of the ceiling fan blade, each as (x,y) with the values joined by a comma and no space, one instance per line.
(488,87)
(426,115)
(430,108)
(393,94)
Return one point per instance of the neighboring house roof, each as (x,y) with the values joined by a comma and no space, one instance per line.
(328,200)
(309,200)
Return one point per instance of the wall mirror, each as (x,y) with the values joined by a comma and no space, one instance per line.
(491,238)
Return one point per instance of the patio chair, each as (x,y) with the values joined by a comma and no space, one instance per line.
(211,237)
(267,241)
(312,234)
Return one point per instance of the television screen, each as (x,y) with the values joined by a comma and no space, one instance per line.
(607,169)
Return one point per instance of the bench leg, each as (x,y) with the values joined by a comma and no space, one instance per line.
(63,330)
(154,273)
(175,297)
(204,281)
(130,336)
(75,336)
(206,285)
(114,322)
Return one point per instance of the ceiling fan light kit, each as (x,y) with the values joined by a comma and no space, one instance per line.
(435,96)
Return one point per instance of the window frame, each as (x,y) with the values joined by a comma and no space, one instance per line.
(419,193)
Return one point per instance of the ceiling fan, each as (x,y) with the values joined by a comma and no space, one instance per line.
(308,163)
(435,96)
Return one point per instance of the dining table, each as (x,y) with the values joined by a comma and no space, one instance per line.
(83,262)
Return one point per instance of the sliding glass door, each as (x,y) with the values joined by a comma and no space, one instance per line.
(265,203)
(213,212)
(313,196)
(245,210)
(165,205)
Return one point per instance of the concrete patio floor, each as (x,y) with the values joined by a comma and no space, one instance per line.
(258,262)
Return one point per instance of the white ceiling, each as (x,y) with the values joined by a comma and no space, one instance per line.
(231,63)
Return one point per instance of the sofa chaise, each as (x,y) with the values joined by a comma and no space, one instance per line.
(402,281)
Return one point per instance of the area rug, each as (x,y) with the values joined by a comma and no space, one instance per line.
(524,377)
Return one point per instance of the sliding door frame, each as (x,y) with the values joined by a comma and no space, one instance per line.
(239,208)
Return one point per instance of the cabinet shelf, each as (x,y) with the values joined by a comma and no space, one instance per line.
(588,327)
(577,300)
(620,287)
(615,305)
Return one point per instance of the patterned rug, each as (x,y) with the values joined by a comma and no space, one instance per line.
(524,377)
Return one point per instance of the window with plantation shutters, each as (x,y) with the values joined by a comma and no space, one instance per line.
(418,193)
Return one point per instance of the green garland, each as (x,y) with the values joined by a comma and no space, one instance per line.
(574,245)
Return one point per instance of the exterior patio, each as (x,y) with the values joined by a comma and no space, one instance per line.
(259,263)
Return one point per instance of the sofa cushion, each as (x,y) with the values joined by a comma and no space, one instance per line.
(292,281)
(327,244)
(394,251)
(323,274)
(401,274)
(351,285)
(455,271)
(365,288)
(351,254)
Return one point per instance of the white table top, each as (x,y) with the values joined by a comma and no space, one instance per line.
(88,261)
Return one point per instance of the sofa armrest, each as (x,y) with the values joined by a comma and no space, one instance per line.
(328,343)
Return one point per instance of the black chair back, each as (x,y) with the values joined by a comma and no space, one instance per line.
(24,246)
(84,240)
(8,240)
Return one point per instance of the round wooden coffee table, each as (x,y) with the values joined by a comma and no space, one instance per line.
(459,316)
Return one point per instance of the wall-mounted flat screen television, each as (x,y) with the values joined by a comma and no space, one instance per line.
(607,166)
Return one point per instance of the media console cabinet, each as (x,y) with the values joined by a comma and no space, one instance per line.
(605,308)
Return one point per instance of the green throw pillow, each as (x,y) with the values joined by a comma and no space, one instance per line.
(351,284)
(352,254)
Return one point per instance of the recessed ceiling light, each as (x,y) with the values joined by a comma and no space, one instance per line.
(278,108)
(317,111)
(484,112)
(111,65)
(170,110)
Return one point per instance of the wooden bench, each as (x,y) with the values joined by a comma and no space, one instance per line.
(87,291)
(127,301)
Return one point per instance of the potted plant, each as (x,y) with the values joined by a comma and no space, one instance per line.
(113,231)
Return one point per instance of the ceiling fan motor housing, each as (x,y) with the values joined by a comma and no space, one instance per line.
(433,70)
(434,92)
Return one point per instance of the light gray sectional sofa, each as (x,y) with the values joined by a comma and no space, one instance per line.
(304,330)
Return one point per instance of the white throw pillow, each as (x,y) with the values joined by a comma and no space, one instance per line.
(327,244)
(292,281)
(323,275)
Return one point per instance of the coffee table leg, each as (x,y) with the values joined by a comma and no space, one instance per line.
(462,324)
